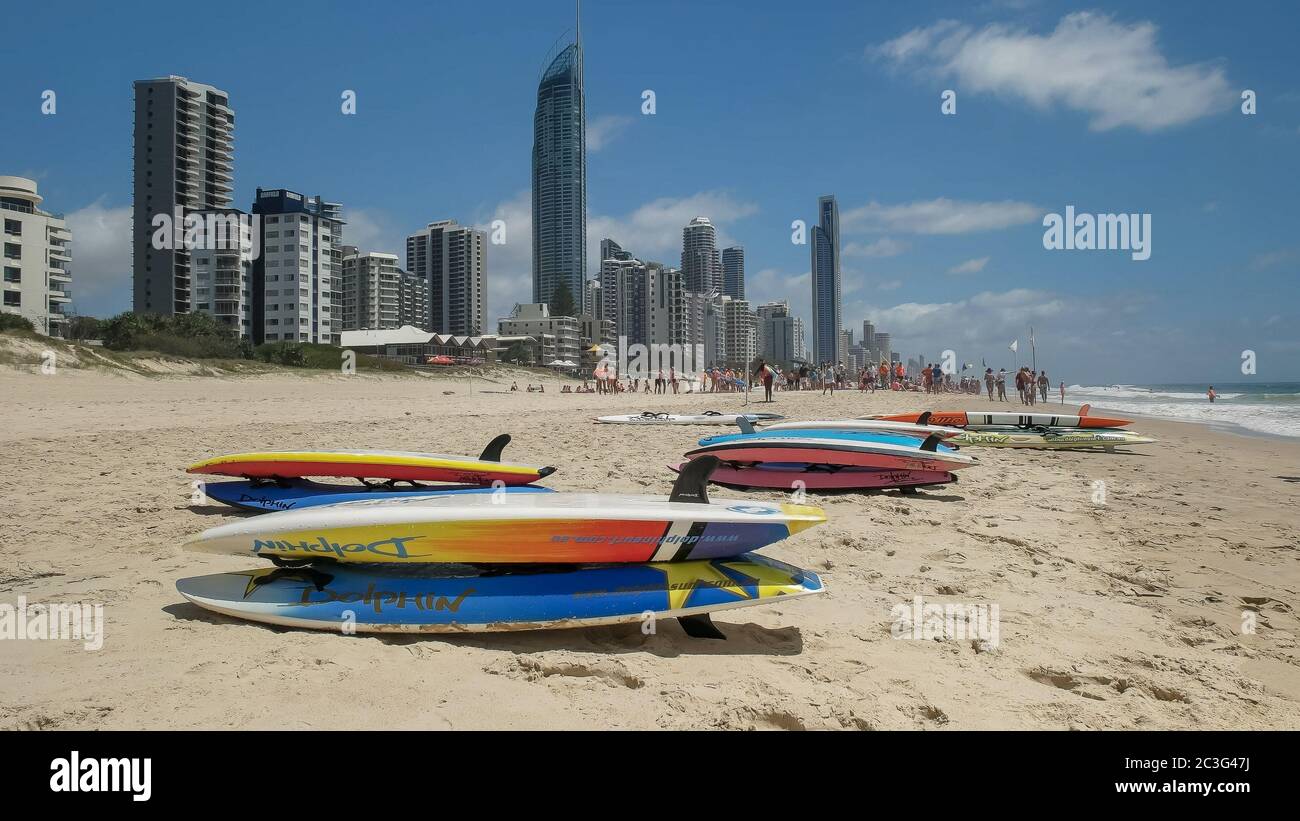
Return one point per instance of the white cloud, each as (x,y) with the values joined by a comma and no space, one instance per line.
(101,258)
(970,266)
(1111,71)
(939,216)
(373,230)
(603,130)
(883,247)
(510,264)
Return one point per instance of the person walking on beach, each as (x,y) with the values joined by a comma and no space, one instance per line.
(764,374)
(988,381)
(1043,384)
(1210,394)
(1020,385)
(1062,393)
(1001,382)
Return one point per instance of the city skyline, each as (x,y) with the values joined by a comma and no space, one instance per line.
(942,223)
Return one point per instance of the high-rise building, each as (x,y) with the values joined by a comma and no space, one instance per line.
(412,300)
(560,177)
(298,277)
(372,291)
(184,161)
(733,272)
(883,351)
(452,259)
(826,281)
(701,266)
(222,271)
(779,335)
(613,259)
(739,333)
(37,258)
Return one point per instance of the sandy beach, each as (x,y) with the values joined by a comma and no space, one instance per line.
(1126,614)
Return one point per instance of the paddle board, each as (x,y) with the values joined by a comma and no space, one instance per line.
(832,448)
(518,528)
(268,496)
(963,419)
(457,598)
(871,425)
(1053,438)
(706,418)
(902,440)
(791,477)
(377,464)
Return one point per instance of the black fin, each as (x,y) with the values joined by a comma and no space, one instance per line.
(700,627)
(693,480)
(746,426)
(318,579)
(492,453)
(924,419)
(931,442)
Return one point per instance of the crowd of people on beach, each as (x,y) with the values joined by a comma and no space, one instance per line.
(1031,385)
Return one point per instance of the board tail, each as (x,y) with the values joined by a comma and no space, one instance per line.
(931,442)
(492,453)
(693,480)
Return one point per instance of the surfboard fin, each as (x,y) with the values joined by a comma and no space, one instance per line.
(1083,410)
(924,419)
(700,627)
(931,442)
(746,426)
(492,453)
(693,480)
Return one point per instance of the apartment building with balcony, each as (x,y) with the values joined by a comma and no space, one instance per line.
(184,161)
(37,257)
(298,277)
(222,271)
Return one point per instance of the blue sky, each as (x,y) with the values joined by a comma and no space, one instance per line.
(762,106)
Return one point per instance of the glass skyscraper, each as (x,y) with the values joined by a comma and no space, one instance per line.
(826,281)
(560,178)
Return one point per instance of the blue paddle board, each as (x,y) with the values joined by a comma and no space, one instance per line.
(849,435)
(294,494)
(461,598)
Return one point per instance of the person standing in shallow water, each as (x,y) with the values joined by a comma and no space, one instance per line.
(1211,395)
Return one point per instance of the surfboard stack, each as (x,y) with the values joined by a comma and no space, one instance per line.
(489,559)
(1032,430)
(846,454)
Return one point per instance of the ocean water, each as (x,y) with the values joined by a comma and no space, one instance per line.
(1264,407)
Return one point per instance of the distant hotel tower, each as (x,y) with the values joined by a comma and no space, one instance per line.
(451,258)
(701,270)
(826,282)
(560,178)
(184,156)
(733,272)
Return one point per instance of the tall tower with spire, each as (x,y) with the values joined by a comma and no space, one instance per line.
(560,177)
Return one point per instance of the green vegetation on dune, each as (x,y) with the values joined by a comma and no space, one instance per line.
(213,346)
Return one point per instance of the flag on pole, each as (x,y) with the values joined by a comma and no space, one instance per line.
(1015,346)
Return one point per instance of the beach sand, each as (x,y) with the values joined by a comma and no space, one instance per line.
(1126,614)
